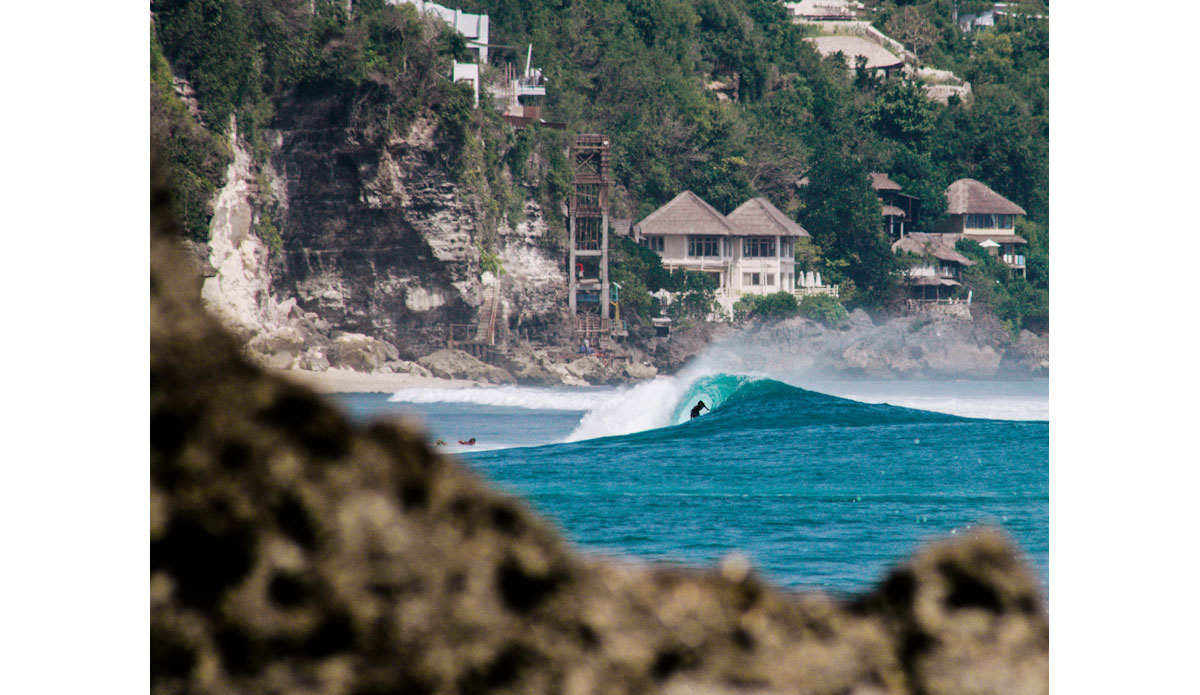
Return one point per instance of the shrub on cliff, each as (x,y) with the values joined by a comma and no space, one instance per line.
(823,308)
(780,305)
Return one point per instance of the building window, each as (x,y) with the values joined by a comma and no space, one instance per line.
(770,279)
(758,247)
(704,246)
(785,248)
(751,279)
(977,221)
(655,243)
(727,248)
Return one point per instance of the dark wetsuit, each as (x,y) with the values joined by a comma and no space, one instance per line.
(696,409)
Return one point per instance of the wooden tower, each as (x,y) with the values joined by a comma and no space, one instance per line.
(588,239)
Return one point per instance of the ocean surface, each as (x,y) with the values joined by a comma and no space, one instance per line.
(823,485)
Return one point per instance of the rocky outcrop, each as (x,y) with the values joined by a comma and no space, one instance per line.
(291,551)
(925,346)
(380,239)
(1029,354)
(456,364)
(359,352)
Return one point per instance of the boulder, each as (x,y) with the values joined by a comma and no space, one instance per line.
(637,371)
(589,369)
(1029,355)
(529,367)
(360,352)
(406,367)
(456,364)
(280,348)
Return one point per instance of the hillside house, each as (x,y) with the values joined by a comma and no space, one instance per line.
(750,251)
(899,209)
(821,10)
(473,28)
(936,277)
(982,215)
(878,58)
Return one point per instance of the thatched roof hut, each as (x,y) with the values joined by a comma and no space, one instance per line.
(968,196)
(881,182)
(758,216)
(854,46)
(931,245)
(686,214)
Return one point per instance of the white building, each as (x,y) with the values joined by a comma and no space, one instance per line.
(750,251)
(473,27)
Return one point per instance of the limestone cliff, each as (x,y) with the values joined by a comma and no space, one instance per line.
(378,239)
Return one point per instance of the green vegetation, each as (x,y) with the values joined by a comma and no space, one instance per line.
(196,158)
(640,72)
(823,308)
(639,272)
(1016,301)
(780,305)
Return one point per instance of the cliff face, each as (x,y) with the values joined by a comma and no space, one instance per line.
(378,239)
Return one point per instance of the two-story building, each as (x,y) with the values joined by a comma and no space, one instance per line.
(935,277)
(750,251)
(982,215)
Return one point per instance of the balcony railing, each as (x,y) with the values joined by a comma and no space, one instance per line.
(1016,261)
(801,292)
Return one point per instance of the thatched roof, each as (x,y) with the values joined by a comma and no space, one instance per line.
(881,182)
(892,210)
(968,196)
(853,46)
(686,214)
(930,245)
(758,216)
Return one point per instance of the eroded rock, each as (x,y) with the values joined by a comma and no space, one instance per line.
(456,364)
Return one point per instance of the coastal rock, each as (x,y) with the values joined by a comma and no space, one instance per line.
(359,352)
(589,369)
(280,348)
(1029,354)
(530,367)
(456,364)
(924,346)
(637,371)
(293,551)
(406,367)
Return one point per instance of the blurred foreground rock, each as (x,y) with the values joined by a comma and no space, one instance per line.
(292,552)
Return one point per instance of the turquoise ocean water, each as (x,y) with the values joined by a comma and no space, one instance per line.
(822,485)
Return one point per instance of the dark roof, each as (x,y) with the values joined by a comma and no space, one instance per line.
(881,182)
(759,216)
(687,214)
(968,196)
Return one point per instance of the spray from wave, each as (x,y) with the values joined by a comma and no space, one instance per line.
(508,397)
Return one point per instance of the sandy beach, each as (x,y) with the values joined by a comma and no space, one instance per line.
(350,381)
